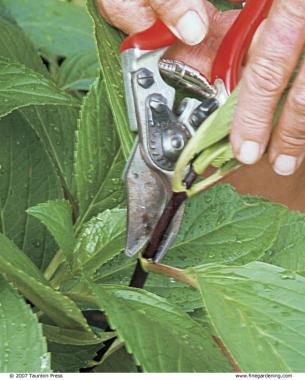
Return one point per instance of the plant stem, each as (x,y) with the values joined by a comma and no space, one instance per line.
(140,276)
(177,274)
(53,266)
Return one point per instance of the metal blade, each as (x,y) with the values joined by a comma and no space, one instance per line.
(148,194)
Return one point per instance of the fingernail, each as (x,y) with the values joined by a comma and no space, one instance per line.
(249,152)
(191,28)
(285,165)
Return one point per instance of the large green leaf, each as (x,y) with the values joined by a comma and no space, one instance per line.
(288,251)
(108,43)
(224,227)
(23,347)
(21,87)
(101,239)
(15,45)
(79,71)
(159,335)
(26,178)
(31,283)
(99,163)
(57,217)
(56,27)
(258,311)
(55,126)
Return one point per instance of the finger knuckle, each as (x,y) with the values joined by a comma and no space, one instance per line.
(293,10)
(254,125)
(293,137)
(163,6)
(266,75)
(174,6)
(297,102)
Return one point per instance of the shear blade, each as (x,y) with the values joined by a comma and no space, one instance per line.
(148,194)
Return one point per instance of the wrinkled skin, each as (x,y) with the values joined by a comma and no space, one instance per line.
(267,59)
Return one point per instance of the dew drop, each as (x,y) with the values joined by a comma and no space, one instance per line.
(36,243)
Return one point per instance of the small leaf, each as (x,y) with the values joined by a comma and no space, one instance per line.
(221,226)
(100,240)
(71,358)
(99,163)
(74,337)
(119,362)
(30,282)
(23,347)
(258,311)
(57,217)
(225,5)
(56,27)
(108,43)
(159,335)
(21,87)
(79,71)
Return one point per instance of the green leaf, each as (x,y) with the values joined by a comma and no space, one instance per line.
(99,163)
(288,251)
(224,5)
(70,358)
(119,362)
(21,87)
(79,71)
(221,226)
(31,283)
(120,269)
(258,312)
(74,337)
(57,217)
(56,27)
(159,335)
(23,347)
(15,45)
(108,43)
(55,126)
(26,178)
(173,291)
(100,240)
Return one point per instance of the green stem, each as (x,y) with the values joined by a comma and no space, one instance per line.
(53,266)
(228,168)
(164,270)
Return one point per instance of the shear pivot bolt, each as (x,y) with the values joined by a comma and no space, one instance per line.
(145,78)
(178,142)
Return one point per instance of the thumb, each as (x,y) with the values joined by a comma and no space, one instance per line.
(188,19)
(202,56)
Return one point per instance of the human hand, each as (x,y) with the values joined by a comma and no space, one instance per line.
(266,76)
(192,21)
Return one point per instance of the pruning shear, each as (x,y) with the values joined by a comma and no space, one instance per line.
(164,128)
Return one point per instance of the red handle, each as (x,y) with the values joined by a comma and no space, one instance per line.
(235,45)
(156,37)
